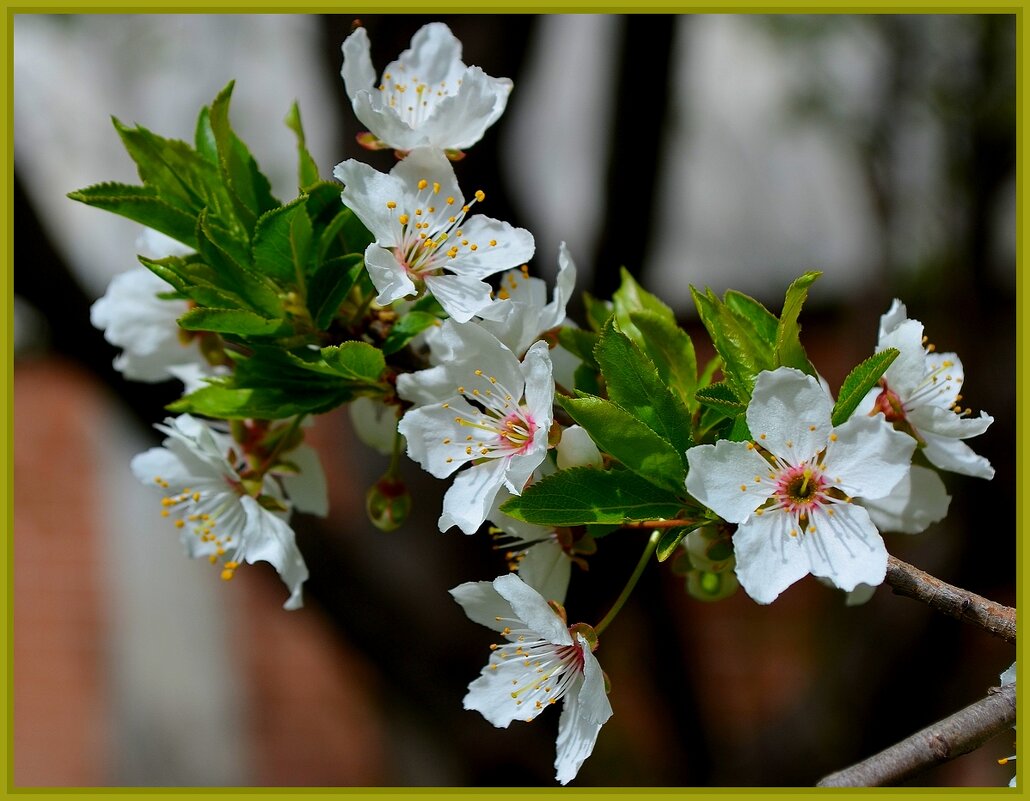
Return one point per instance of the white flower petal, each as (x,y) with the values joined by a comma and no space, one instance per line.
(374,422)
(918,500)
(461,296)
(483,604)
(577,449)
(789,414)
(491,693)
(307,489)
(530,607)
(846,548)
(869,457)
(718,473)
(357,71)
(546,568)
(434,439)
(270,539)
(469,498)
(768,559)
(513,246)
(956,456)
(583,715)
(366,191)
(539,385)
(893,318)
(906,373)
(389,278)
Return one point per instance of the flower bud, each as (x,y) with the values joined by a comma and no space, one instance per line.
(709,549)
(576,449)
(388,503)
(707,586)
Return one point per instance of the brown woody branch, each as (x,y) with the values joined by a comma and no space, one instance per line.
(950,600)
(959,734)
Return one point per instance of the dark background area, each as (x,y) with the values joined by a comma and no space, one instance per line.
(723,694)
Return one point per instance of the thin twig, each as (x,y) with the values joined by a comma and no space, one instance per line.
(959,734)
(950,600)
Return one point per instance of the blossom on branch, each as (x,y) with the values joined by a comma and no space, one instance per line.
(222,514)
(541,661)
(791,490)
(426,98)
(485,409)
(424,239)
(919,393)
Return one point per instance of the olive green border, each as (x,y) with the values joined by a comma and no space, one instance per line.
(1015,7)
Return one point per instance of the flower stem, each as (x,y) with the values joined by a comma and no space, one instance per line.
(645,557)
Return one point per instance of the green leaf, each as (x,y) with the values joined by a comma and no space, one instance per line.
(307,169)
(669,540)
(743,354)
(858,383)
(579,343)
(330,285)
(194,279)
(720,397)
(631,297)
(225,256)
(586,496)
(229,321)
(629,440)
(204,137)
(672,352)
(406,328)
(141,204)
(598,311)
(248,188)
(634,384)
(789,352)
(355,361)
(275,253)
(265,403)
(585,380)
(761,321)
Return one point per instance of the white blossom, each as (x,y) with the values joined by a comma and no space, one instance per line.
(919,393)
(485,409)
(541,661)
(791,490)
(221,514)
(427,97)
(423,236)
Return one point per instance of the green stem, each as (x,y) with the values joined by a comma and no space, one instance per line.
(645,557)
(274,454)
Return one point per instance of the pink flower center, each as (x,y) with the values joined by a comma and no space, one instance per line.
(800,489)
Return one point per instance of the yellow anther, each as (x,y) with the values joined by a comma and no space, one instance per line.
(196,497)
(743,487)
(212,559)
(811,428)
(793,532)
(480,196)
(180,523)
(423,184)
(833,437)
(403,219)
(493,242)
(391,204)
(165,513)
(474,247)
(436,187)
(506,631)
(761,436)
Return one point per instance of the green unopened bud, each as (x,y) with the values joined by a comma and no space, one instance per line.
(710,549)
(707,586)
(388,503)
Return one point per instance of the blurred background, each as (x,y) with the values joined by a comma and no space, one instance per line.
(724,151)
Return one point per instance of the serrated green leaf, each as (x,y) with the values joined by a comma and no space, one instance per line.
(266,403)
(789,352)
(273,250)
(579,343)
(761,321)
(204,137)
(307,169)
(226,257)
(743,354)
(740,432)
(629,440)
(721,398)
(669,541)
(355,361)
(858,383)
(598,311)
(141,204)
(229,321)
(194,279)
(407,328)
(631,297)
(634,384)
(672,352)
(587,496)
(330,285)
(247,187)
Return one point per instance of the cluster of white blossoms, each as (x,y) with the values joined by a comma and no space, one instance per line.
(801,495)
